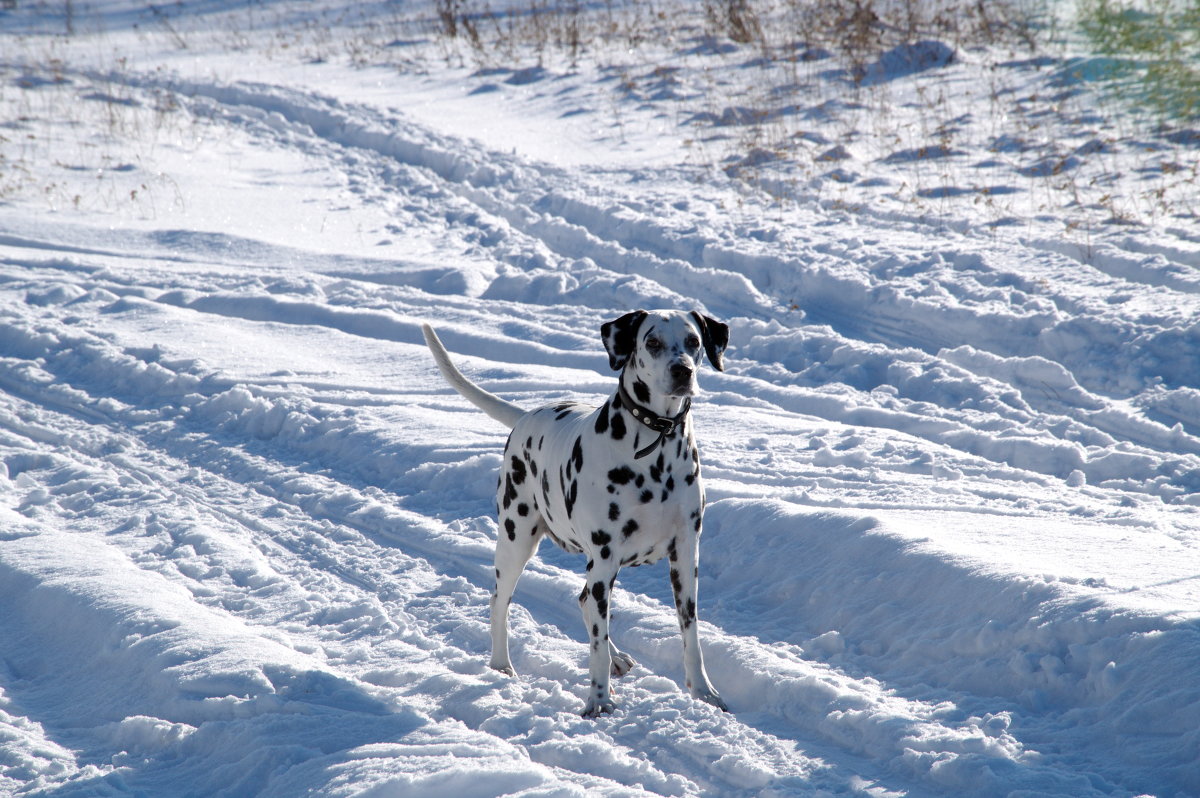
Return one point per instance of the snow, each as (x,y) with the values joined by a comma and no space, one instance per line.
(952,544)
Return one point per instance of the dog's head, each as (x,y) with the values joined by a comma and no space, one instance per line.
(662,348)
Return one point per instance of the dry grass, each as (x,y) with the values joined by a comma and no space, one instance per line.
(797,99)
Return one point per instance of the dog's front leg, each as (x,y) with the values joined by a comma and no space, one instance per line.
(684,553)
(594,601)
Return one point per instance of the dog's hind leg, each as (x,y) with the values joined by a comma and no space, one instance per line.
(521,529)
(622,663)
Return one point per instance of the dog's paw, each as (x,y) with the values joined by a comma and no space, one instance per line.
(710,696)
(622,663)
(597,707)
(504,667)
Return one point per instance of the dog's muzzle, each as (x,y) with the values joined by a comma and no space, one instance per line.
(682,379)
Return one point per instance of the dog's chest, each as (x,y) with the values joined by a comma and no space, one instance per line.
(597,498)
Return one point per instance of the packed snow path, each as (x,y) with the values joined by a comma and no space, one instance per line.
(951,545)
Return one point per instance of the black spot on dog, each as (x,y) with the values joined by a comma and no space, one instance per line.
(546,486)
(602,420)
(620,476)
(618,426)
(517,470)
(676,583)
(630,527)
(598,593)
(533,467)
(522,509)
(690,479)
(641,390)
(605,553)
(614,511)
(646,496)
(641,480)
(569,497)
(510,492)
(577,454)
(600,537)
(511,528)
(670,484)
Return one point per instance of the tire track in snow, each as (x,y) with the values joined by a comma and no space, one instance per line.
(813,701)
(531,202)
(1056,452)
(391,322)
(333,506)
(1085,443)
(373,575)
(546,221)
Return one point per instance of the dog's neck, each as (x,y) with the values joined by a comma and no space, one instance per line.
(650,415)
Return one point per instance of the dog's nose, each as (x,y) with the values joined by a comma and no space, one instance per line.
(681,372)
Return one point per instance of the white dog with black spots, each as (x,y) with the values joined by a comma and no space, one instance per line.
(619,483)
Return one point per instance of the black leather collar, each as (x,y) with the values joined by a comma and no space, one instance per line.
(663,425)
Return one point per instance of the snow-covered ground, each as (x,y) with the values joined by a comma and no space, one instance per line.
(952,546)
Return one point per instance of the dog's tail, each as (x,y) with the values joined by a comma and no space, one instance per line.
(505,412)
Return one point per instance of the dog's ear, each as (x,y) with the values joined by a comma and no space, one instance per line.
(620,337)
(715,336)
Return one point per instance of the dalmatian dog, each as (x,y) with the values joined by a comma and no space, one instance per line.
(619,483)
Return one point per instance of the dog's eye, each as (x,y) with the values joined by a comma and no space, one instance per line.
(693,342)
(653,346)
